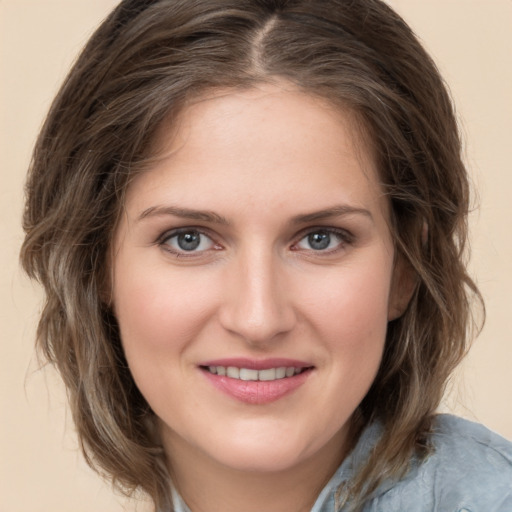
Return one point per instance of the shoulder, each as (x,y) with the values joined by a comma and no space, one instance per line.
(468,470)
(470,447)
(471,464)
(451,433)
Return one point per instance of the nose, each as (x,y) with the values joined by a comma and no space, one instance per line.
(256,304)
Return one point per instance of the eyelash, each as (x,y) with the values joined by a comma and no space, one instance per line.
(163,241)
(345,238)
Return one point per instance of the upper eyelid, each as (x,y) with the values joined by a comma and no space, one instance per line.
(170,233)
(162,243)
(342,232)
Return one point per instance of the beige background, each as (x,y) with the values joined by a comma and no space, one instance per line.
(40,468)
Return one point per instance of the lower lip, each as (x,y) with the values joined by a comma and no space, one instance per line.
(257,392)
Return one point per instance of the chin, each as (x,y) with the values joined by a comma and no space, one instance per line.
(260,459)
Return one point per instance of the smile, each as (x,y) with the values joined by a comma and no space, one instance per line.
(257,382)
(249,374)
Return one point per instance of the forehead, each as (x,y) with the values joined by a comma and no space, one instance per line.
(261,143)
(264,104)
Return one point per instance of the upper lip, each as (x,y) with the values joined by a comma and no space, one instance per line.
(257,364)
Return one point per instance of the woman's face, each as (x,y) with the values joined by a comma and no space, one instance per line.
(253,280)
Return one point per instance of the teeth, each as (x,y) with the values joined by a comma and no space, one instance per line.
(233,372)
(246,374)
(269,374)
(281,373)
(249,374)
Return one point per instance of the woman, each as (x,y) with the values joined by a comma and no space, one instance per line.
(249,219)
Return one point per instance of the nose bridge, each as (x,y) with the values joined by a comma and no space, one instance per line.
(257,306)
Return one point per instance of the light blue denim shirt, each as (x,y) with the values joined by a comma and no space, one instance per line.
(470,470)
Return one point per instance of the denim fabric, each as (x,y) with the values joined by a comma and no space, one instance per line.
(470,470)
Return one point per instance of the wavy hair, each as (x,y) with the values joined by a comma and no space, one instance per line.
(139,69)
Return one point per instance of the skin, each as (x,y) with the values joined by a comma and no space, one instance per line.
(256,288)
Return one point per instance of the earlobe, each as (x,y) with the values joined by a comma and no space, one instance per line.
(106,282)
(404,283)
(105,293)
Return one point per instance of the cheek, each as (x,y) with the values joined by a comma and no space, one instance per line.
(351,300)
(159,314)
(157,309)
(350,321)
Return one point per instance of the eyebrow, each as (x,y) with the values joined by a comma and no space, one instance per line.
(335,211)
(185,213)
(215,218)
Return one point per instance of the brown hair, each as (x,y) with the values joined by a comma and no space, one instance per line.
(140,67)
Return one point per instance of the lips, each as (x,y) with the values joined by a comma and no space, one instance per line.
(268,374)
(256,381)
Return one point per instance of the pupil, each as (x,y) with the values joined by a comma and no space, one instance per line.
(189,241)
(320,240)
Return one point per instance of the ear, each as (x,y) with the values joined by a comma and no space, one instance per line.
(105,294)
(403,285)
(106,281)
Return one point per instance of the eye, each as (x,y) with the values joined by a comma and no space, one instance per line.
(187,241)
(325,240)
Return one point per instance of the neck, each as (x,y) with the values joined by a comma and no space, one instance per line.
(209,486)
